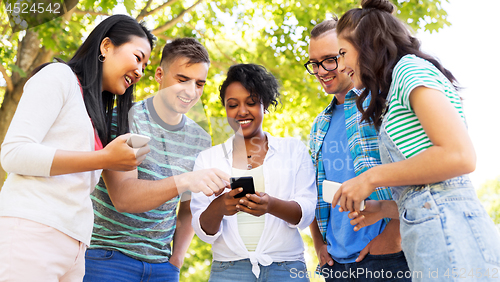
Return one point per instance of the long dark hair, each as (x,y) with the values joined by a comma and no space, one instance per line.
(85,64)
(381,40)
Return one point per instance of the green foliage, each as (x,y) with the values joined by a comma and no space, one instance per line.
(197,262)
(17,69)
(489,195)
(311,258)
(271,33)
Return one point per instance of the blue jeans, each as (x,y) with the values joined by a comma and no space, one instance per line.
(113,266)
(447,235)
(389,267)
(241,271)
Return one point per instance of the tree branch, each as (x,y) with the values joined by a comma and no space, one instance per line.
(144,10)
(90,12)
(177,19)
(214,42)
(68,14)
(144,13)
(164,37)
(5,28)
(6,77)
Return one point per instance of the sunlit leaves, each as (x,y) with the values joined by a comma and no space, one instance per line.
(489,194)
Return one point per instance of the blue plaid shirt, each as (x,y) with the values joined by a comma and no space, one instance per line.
(363,144)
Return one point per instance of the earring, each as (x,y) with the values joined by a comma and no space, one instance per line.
(101,58)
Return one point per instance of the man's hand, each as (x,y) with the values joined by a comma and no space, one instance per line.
(370,215)
(373,212)
(209,181)
(323,255)
(176,261)
(319,245)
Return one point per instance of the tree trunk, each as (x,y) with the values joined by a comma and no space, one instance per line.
(30,56)
(7,111)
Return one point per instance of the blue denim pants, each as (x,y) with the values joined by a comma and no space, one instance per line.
(241,271)
(446,233)
(389,267)
(113,266)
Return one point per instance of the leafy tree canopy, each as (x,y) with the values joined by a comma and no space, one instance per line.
(271,33)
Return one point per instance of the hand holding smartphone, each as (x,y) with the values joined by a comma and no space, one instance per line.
(329,190)
(137,141)
(246,182)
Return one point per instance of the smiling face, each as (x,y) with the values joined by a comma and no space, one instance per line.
(244,110)
(124,65)
(181,86)
(348,62)
(320,48)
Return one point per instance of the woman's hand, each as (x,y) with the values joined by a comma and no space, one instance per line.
(226,203)
(353,192)
(223,205)
(261,203)
(255,204)
(120,156)
(117,155)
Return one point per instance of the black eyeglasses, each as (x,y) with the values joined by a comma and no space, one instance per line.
(329,64)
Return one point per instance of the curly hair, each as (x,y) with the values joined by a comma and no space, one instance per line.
(257,80)
(381,40)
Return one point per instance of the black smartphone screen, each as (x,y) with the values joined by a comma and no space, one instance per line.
(246,182)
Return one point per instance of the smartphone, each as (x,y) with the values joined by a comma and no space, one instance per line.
(244,181)
(137,141)
(329,190)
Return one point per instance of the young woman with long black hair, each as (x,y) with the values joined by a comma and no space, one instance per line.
(52,151)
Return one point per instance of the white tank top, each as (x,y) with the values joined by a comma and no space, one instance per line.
(250,227)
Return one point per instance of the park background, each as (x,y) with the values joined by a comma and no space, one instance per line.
(274,33)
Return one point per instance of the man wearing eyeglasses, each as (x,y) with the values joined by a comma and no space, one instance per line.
(341,148)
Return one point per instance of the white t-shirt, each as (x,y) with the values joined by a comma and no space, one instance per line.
(51,115)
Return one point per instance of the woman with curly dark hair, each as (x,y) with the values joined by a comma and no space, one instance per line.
(424,146)
(256,235)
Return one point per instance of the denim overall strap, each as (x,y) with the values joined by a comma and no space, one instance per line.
(389,153)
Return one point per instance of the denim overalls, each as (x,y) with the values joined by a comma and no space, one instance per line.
(446,233)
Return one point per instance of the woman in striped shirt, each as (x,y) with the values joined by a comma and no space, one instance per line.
(424,146)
